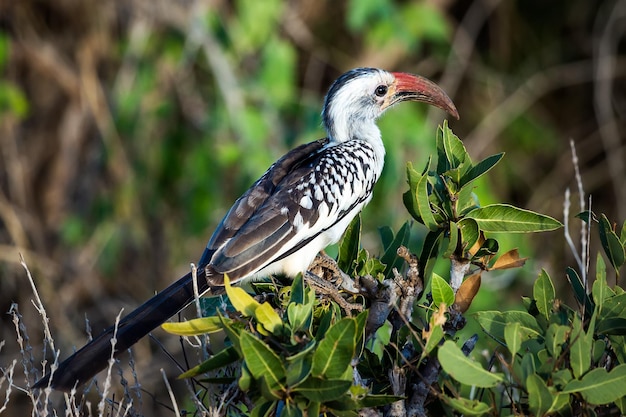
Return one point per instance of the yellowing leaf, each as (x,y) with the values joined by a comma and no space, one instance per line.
(194,327)
(241,300)
(268,319)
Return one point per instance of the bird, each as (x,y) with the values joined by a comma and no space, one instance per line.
(300,205)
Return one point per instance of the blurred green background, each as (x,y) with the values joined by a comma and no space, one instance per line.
(128,128)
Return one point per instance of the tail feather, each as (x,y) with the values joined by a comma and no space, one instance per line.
(93,357)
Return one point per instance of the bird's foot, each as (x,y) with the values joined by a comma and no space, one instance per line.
(326,268)
(327,278)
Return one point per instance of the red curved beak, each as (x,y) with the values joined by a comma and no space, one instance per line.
(410,87)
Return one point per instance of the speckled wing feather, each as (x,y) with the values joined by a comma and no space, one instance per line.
(310,197)
(247,205)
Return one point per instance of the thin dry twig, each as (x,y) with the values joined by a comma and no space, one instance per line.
(40,309)
(107,381)
(7,376)
(171,393)
(582,257)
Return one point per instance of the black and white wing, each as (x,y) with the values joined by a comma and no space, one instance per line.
(304,195)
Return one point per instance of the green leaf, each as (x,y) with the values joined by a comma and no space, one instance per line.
(299,367)
(480,169)
(268,319)
(194,327)
(526,366)
(453,240)
(544,293)
(452,178)
(489,247)
(579,290)
(423,204)
(513,337)
(494,322)
(611,244)
(580,349)
(469,232)
(360,321)
(614,326)
(441,291)
(506,218)
(261,361)
(465,370)
(614,307)
(600,289)
(468,407)
(409,197)
(599,386)
(434,337)
(263,409)
(586,216)
(291,409)
(246,379)
(232,332)
(556,336)
(390,258)
(219,360)
(297,293)
(300,316)
(372,266)
(345,406)
(429,255)
(335,351)
(322,390)
(455,151)
(599,349)
(412,176)
(540,399)
(410,203)
(349,246)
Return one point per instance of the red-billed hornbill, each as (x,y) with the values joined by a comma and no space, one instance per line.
(303,203)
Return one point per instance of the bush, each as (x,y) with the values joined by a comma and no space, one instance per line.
(302,354)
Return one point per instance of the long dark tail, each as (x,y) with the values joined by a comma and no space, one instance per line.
(93,357)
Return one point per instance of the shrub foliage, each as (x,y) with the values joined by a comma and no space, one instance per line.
(394,344)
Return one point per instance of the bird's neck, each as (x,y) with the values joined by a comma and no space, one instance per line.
(346,128)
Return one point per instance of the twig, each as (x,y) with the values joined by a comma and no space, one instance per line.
(566,233)
(196,291)
(582,259)
(40,308)
(171,393)
(107,381)
(7,376)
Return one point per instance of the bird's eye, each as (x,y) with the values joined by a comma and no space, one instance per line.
(381,90)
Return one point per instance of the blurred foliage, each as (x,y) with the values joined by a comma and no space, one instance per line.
(128,128)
